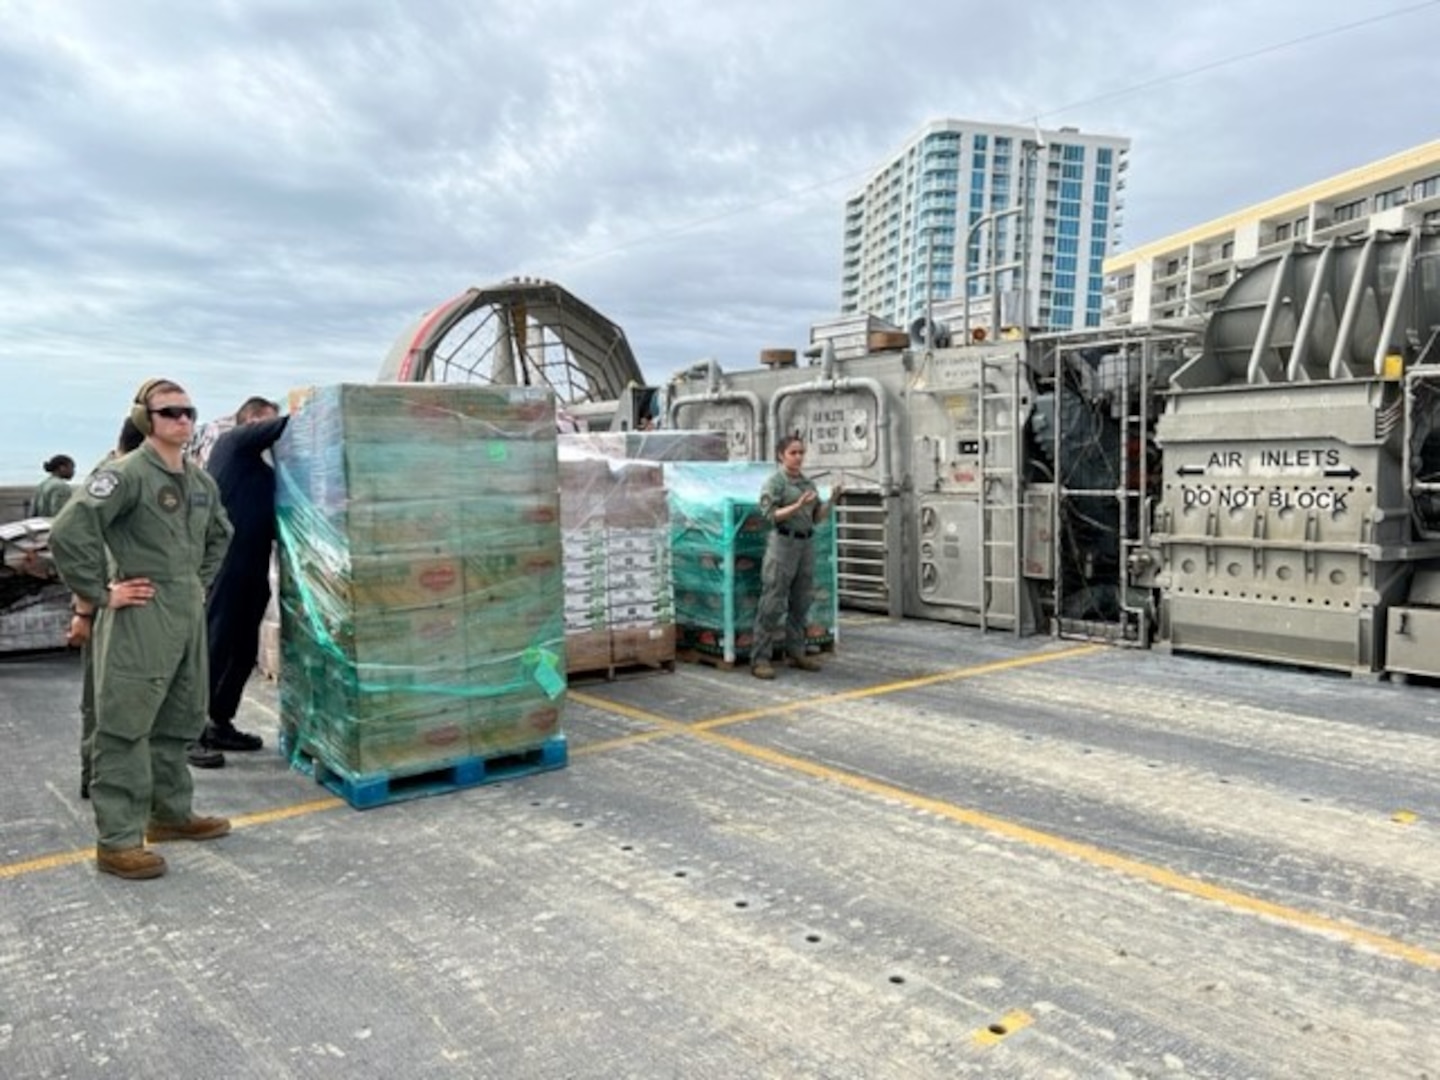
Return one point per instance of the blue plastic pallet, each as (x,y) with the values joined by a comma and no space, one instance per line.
(364,791)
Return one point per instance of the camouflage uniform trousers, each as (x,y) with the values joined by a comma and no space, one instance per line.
(787,588)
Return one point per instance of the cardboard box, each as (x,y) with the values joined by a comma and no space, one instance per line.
(653,645)
(587,650)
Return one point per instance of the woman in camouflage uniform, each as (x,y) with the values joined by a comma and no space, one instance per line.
(54,490)
(790,502)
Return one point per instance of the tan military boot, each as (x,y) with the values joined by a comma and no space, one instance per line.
(133,863)
(762,670)
(197,828)
(806,663)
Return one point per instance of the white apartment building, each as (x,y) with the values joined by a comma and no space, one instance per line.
(1013,198)
(1187,273)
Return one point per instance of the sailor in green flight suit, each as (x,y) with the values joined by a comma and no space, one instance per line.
(55,489)
(161,520)
(790,500)
(81,625)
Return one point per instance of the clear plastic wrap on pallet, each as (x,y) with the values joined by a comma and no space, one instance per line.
(268,658)
(619,597)
(717,542)
(422,594)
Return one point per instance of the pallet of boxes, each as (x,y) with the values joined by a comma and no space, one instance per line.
(717,539)
(421,602)
(619,600)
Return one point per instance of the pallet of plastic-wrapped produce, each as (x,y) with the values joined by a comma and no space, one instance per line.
(620,607)
(421,596)
(718,537)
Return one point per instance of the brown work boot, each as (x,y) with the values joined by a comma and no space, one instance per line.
(762,670)
(197,828)
(133,863)
(806,663)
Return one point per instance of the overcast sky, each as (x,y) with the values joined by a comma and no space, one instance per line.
(251,195)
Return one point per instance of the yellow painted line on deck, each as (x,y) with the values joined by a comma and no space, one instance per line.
(1035,838)
(45,862)
(241,821)
(1003,1028)
(919,682)
(1089,853)
(1059,845)
(670,727)
(663,727)
(285,813)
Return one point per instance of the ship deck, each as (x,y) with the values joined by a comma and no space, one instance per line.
(948,854)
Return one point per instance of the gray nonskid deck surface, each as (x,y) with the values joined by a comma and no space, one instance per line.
(949,854)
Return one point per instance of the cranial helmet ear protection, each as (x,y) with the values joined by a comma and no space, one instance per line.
(140,410)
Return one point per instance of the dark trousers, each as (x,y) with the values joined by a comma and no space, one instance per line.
(234,613)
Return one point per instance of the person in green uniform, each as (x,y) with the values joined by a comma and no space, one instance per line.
(790,502)
(80,625)
(53,492)
(137,545)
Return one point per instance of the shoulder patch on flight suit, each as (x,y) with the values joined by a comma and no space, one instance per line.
(102,485)
(168,498)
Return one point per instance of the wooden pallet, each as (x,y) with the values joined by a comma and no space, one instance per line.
(612,672)
(617,653)
(715,660)
(367,790)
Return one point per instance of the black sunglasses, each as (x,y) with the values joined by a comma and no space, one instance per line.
(175,412)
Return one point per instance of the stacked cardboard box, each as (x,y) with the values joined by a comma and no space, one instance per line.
(641,607)
(718,538)
(585,489)
(421,581)
(619,591)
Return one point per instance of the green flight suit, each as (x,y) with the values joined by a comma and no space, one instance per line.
(87,665)
(787,575)
(149,660)
(51,494)
(87,710)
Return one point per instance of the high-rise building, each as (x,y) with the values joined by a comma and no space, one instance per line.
(1018,201)
(1186,273)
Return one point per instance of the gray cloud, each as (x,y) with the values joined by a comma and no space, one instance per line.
(255,194)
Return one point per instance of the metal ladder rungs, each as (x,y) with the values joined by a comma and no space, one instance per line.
(999,461)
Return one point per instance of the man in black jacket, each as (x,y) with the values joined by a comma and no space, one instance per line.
(241,591)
